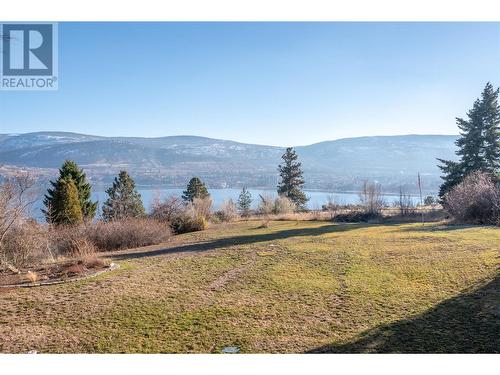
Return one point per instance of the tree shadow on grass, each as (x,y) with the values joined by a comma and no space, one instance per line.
(467,323)
(251,238)
(442,228)
(430,227)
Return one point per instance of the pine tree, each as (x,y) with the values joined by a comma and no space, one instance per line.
(291,179)
(124,200)
(244,202)
(195,189)
(452,175)
(70,170)
(67,209)
(479,142)
(492,130)
(471,143)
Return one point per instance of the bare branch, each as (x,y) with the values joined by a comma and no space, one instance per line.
(17,195)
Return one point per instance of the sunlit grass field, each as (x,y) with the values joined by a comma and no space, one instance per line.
(297,286)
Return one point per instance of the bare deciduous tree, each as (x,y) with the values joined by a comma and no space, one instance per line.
(371,197)
(405,203)
(17,195)
(167,210)
(332,206)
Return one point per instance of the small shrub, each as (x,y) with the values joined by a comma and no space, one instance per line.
(80,247)
(476,200)
(168,209)
(188,223)
(266,205)
(200,207)
(193,217)
(357,217)
(283,205)
(277,206)
(71,241)
(182,216)
(227,212)
(25,244)
(129,233)
(64,238)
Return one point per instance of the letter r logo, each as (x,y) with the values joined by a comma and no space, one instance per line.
(28,50)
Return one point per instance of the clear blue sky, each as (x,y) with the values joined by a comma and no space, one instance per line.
(267,83)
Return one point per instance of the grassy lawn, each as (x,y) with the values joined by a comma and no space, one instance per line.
(293,287)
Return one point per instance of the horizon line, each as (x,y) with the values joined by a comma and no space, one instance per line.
(230,140)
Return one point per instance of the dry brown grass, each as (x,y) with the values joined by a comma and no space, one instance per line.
(70,241)
(74,270)
(92,261)
(32,277)
(289,288)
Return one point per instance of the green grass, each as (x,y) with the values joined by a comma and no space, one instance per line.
(293,287)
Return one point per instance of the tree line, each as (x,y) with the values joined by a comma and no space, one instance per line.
(68,200)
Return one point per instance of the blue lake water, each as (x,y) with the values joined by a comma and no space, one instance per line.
(316,198)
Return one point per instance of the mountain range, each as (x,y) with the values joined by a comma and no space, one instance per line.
(338,165)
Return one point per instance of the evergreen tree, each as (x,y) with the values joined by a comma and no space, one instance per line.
(479,142)
(452,175)
(124,200)
(195,189)
(244,202)
(70,170)
(67,208)
(291,179)
(492,130)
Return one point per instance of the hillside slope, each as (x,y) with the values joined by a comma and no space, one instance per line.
(338,164)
